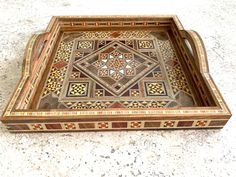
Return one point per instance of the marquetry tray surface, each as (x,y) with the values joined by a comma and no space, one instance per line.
(112,73)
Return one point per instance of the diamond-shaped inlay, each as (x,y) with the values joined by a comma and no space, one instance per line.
(116,66)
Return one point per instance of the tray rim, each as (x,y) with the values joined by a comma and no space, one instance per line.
(221,110)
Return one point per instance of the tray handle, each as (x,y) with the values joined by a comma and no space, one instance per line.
(31,64)
(33,51)
(196,47)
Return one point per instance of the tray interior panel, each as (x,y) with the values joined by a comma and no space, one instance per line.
(115,69)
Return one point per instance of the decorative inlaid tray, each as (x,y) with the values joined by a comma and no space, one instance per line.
(115,73)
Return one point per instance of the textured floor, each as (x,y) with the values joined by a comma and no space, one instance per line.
(137,153)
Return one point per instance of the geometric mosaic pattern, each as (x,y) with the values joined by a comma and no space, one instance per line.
(155,88)
(145,44)
(116,69)
(85,45)
(77,89)
(58,69)
(116,66)
(173,67)
(75,126)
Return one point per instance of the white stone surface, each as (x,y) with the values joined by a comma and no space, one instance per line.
(199,153)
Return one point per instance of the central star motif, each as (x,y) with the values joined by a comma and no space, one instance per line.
(116,67)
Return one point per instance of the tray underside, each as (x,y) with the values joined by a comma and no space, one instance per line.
(114,73)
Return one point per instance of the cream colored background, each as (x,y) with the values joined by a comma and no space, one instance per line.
(199,153)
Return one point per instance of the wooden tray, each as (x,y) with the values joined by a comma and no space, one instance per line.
(115,73)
